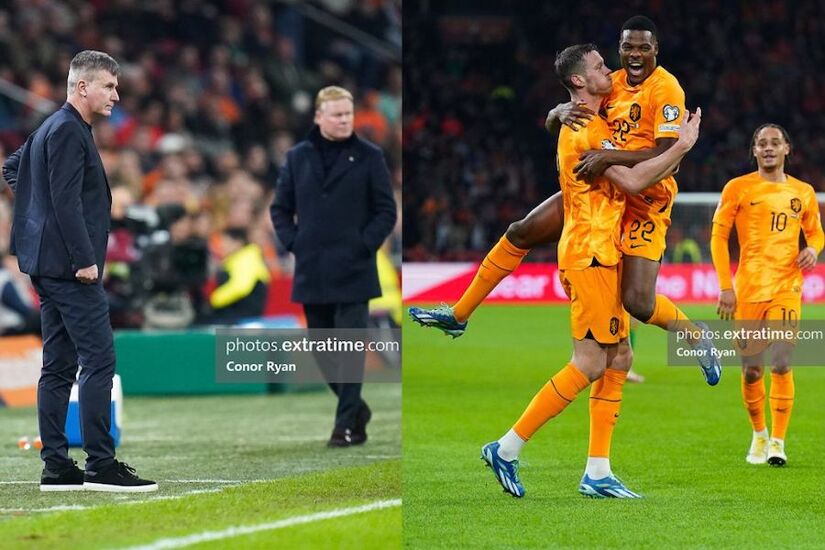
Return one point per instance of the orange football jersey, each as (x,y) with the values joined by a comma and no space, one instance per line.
(638,115)
(768,217)
(592,212)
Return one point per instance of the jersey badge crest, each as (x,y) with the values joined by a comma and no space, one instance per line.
(635,112)
(796,205)
(670,112)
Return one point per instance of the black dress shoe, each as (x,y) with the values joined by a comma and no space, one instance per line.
(359,432)
(69,478)
(341,437)
(118,477)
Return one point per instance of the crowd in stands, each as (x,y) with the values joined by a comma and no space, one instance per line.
(478,84)
(212,95)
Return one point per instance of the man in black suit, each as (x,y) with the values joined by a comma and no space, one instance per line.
(59,234)
(338,187)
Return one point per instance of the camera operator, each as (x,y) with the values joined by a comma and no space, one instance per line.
(173,269)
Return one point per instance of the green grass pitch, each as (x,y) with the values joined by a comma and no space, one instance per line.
(221,462)
(679,443)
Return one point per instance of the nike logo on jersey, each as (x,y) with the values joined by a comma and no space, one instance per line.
(754,203)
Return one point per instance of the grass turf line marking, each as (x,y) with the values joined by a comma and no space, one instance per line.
(180,542)
(232,481)
(224,481)
(77,507)
(60,508)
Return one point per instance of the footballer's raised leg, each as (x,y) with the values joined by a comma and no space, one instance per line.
(641,301)
(543,225)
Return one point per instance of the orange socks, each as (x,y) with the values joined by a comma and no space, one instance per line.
(782,392)
(666,315)
(502,259)
(605,401)
(781,397)
(553,398)
(754,396)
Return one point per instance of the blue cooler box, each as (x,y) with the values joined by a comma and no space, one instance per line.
(73,418)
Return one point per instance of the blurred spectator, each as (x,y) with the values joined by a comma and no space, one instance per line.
(370,121)
(18,313)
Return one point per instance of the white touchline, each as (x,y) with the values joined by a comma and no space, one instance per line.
(230,532)
(212,480)
(118,502)
(176,497)
(60,508)
(30,482)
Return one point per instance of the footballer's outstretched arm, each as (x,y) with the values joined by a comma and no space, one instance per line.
(635,180)
(593,164)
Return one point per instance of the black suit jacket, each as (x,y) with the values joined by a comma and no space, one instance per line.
(62,200)
(334,223)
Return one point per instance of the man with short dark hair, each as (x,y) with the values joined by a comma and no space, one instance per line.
(59,233)
(333,209)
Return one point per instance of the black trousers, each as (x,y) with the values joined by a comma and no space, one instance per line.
(76,331)
(349,315)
